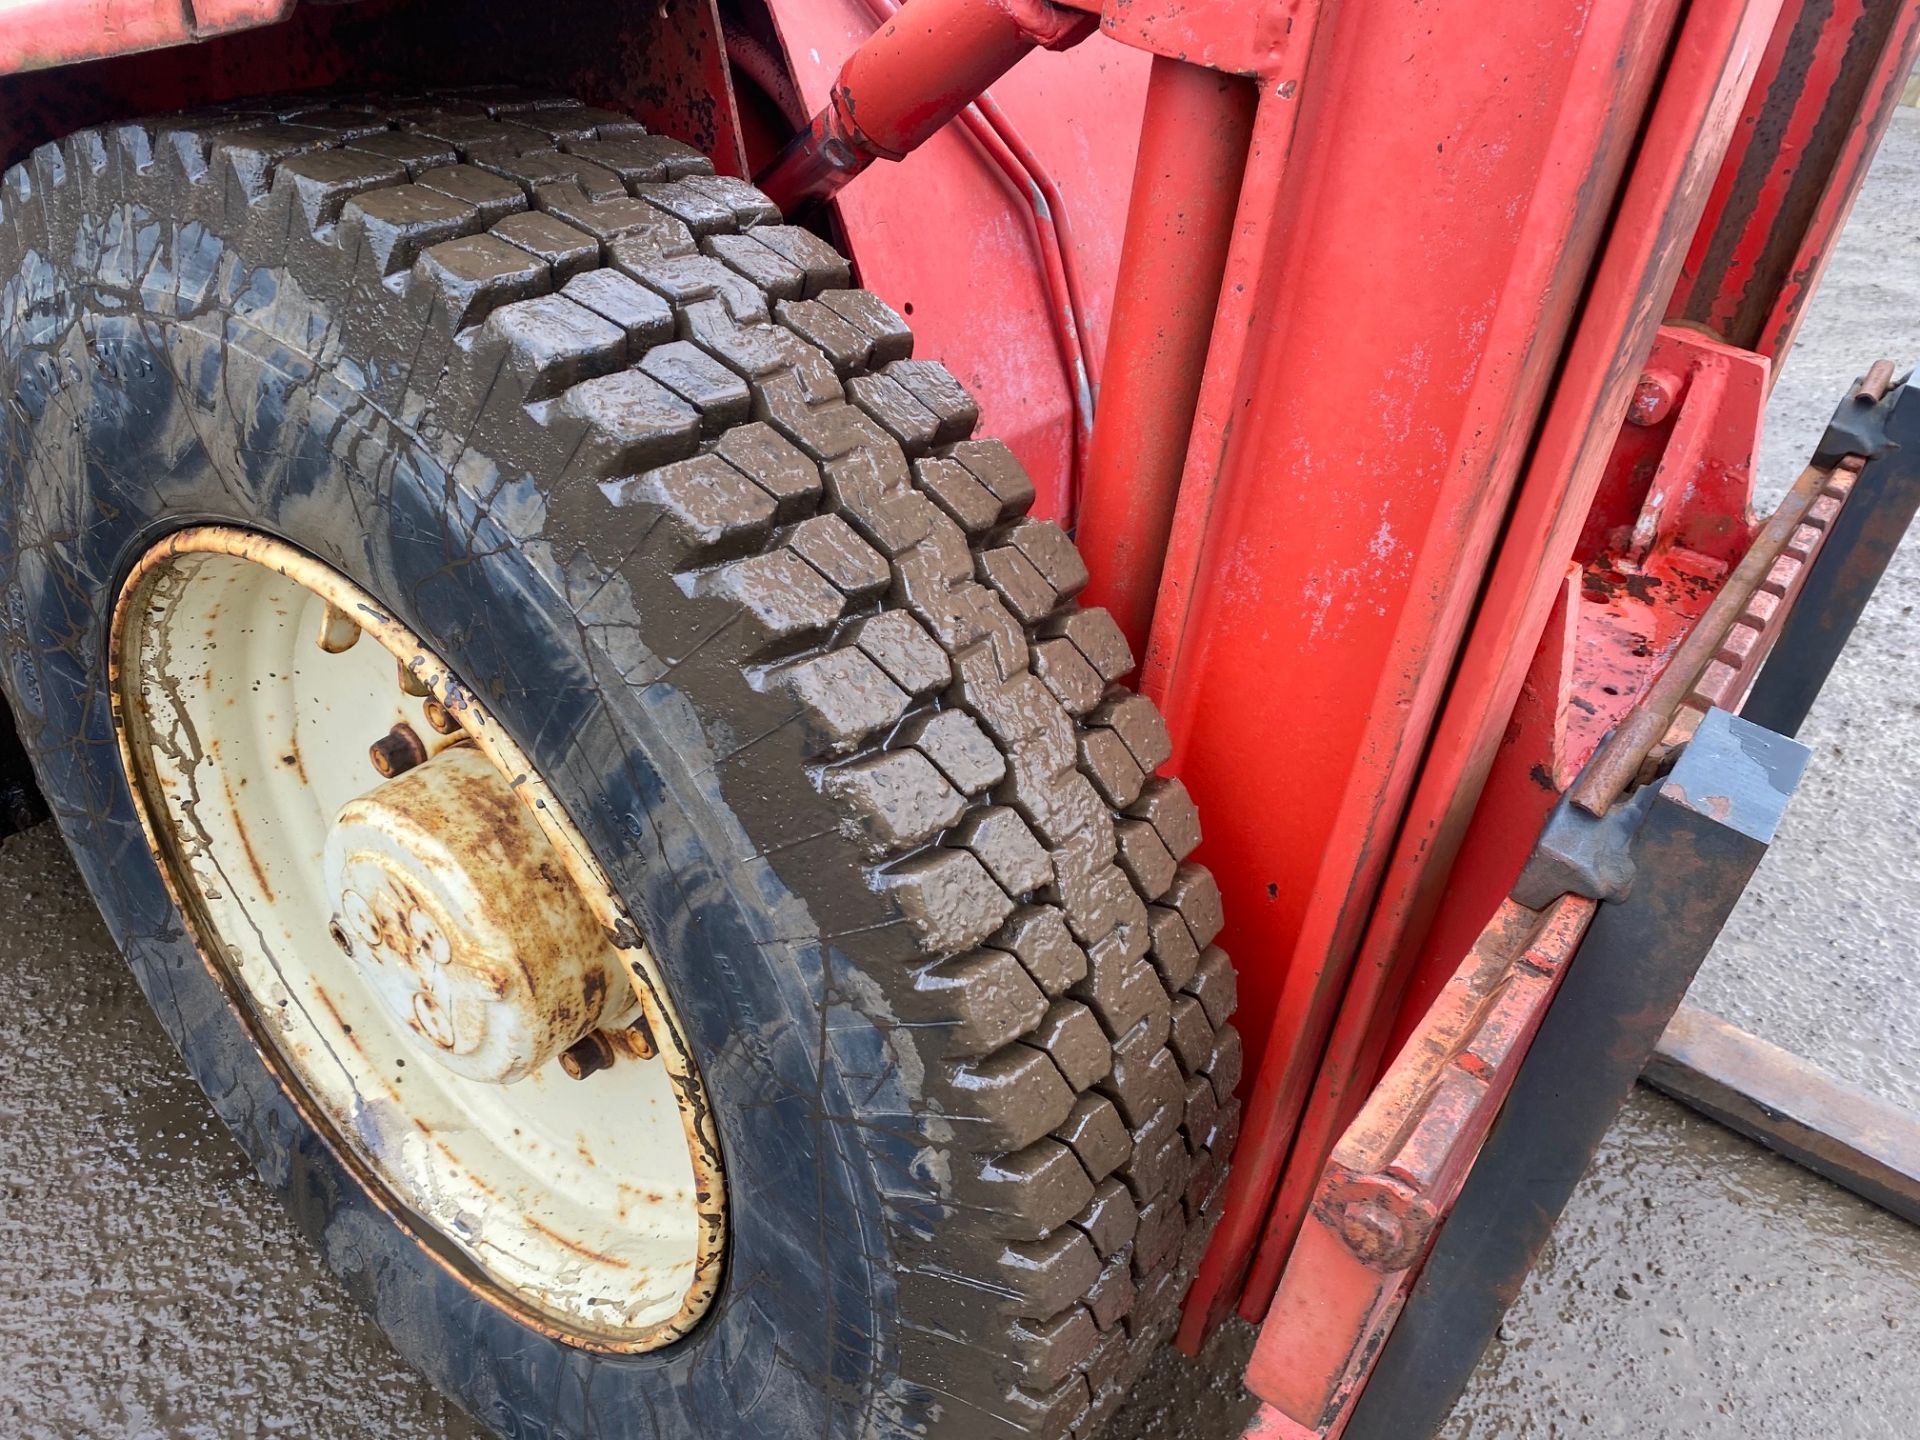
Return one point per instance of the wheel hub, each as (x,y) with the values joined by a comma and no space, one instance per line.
(418,940)
(464,923)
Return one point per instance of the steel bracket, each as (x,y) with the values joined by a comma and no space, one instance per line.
(1859,425)
(1582,854)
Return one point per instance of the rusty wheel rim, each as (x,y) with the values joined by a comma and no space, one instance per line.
(279,728)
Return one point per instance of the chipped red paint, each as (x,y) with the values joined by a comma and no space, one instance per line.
(1400,1165)
(40,34)
(1827,86)
(1360,431)
(1712,64)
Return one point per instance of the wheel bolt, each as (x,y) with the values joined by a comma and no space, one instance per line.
(397,751)
(439,719)
(338,935)
(591,1053)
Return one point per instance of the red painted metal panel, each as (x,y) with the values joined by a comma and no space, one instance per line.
(1396,303)
(974,286)
(1707,76)
(664,64)
(38,34)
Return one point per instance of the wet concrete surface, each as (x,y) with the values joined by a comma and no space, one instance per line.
(150,1287)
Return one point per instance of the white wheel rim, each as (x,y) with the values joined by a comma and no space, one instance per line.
(594,1208)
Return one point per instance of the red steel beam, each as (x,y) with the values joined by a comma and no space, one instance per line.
(1826,90)
(1194,137)
(1712,65)
(1404,273)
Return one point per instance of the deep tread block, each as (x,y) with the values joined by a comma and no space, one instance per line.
(566,250)
(1011,1098)
(1197,897)
(1165,805)
(899,798)
(643,315)
(949,899)
(1096,1135)
(1074,1041)
(993,465)
(1192,1034)
(323,183)
(477,274)
(946,399)
(1038,936)
(829,545)
(1065,671)
(391,227)
(774,464)
(954,741)
(823,267)
(492,198)
(1213,985)
(1004,844)
(901,646)
(845,693)
(632,420)
(888,337)
(556,345)
(711,503)
(640,159)
(1110,1219)
(1173,952)
(689,372)
(980,1001)
(1148,863)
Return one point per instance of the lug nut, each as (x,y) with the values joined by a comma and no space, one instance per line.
(411,683)
(337,933)
(397,751)
(439,719)
(590,1054)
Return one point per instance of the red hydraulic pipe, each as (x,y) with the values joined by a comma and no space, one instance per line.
(1194,140)
(910,77)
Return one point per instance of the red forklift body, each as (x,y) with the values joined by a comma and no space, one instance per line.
(1400,368)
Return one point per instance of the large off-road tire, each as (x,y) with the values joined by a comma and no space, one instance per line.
(672,499)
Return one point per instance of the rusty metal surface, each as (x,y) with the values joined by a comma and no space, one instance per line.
(210,890)
(1709,825)
(1617,765)
(1396,1172)
(459,915)
(1788,1104)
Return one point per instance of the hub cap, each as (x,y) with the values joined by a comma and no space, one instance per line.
(418,938)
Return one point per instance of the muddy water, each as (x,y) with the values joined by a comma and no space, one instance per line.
(149,1285)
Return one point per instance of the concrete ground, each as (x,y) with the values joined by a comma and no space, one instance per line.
(1697,1285)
